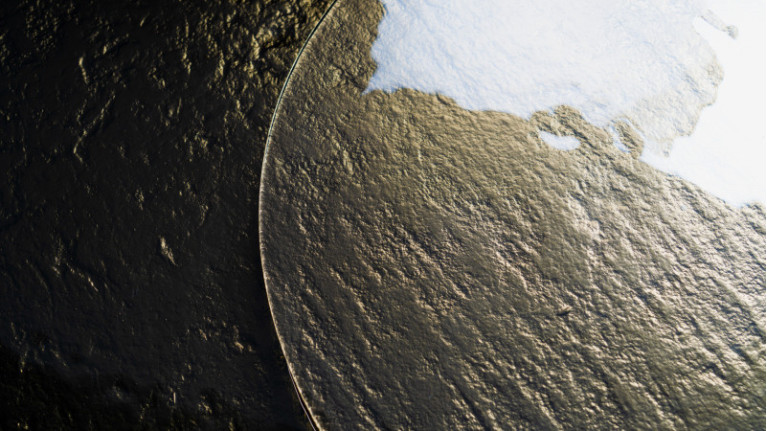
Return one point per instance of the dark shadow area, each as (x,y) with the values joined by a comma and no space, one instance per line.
(131,292)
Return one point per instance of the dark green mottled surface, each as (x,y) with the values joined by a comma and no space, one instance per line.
(131,137)
(434,268)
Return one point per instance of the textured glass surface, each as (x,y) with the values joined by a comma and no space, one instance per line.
(432,265)
(687,75)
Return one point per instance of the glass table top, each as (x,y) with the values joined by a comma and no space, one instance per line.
(522,216)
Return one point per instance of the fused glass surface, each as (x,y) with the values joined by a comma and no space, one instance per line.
(435,264)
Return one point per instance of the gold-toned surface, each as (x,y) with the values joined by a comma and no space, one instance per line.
(435,268)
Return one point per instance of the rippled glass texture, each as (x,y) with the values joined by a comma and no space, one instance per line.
(432,265)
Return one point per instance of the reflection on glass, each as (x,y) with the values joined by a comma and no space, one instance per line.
(464,224)
(655,64)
